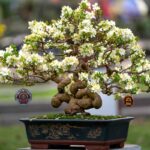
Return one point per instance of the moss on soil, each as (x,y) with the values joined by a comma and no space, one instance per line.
(78,116)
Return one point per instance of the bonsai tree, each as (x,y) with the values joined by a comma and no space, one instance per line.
(85,42)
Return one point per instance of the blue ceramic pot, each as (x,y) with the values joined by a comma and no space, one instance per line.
(43,133)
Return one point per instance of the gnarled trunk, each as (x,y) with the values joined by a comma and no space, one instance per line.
(79,98)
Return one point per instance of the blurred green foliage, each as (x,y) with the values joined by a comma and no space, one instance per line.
(12,137)
(39,92)
(139,133)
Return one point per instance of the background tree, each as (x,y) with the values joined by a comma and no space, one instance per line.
(86,42)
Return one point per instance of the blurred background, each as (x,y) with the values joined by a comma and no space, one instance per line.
(14,17)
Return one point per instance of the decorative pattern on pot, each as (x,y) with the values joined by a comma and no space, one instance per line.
(62,131)
(94,133)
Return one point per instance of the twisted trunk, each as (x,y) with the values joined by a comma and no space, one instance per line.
(79,99)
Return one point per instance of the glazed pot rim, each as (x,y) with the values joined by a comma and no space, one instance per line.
(127,118)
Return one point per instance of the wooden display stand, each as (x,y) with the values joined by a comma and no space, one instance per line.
(126,147)
(70,144)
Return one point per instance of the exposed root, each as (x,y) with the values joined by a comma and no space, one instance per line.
(82,92)
(76,86)
(58,99)
(80,99)
(62,84)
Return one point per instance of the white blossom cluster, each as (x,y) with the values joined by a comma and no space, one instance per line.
(82,36)
(86,49)
(39,28)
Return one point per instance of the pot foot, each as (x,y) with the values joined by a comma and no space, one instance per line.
(39,146)
(59,146)
(119,145)
(96,147)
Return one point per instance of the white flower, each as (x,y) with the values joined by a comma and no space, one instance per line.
(2,53)
(95,7)
(90,15)
(76,38)
(111,22)
(146,65)
(117,68)
(100,60)
(26,47)
(129,85)
(38,28)
(86,29)
(58,35)
(85,3)
(102,48)
(37,58)
(68,51)
(86,49)
(70,75)
(105,77)
(95,87)
(23,54)
(29,58)
(56,65)
(113,56)
(4,71)
(111,32)
(66,12)
(147,78)
(50,29)
(71,27)
(69,63)
(12,60)
(49,56)
(56,30)
(127,34)
(9,49)
(121,51)
(125,76)
(106,25)
(83,76)
(86,22)
(44,67)
(139,68)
